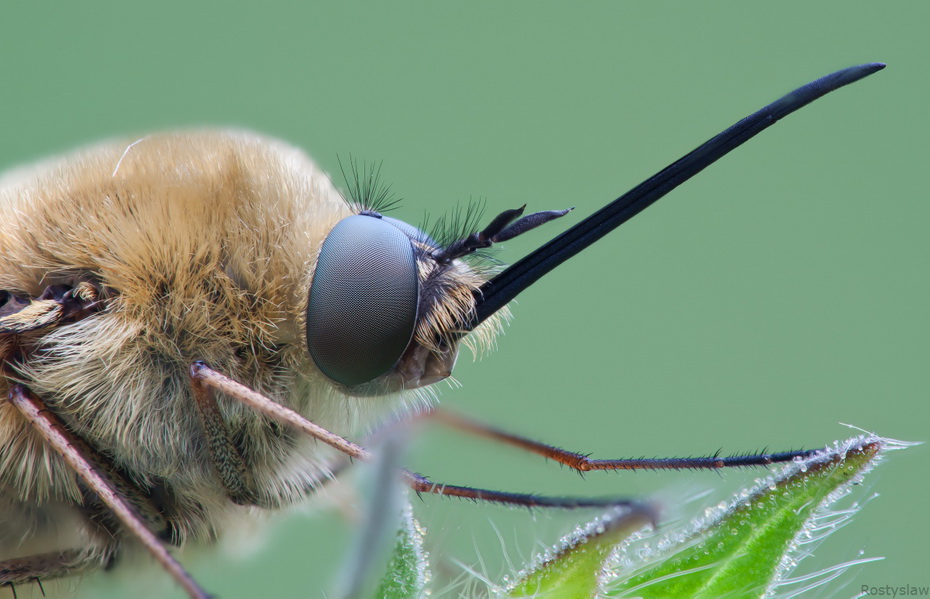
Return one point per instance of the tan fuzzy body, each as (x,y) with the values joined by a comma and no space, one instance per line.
(205,245)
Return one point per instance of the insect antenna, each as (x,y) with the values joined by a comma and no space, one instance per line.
(504,226)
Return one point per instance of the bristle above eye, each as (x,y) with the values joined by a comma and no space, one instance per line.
(459,222)
(366,189)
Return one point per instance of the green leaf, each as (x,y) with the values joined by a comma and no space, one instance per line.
(575,569)
(407,571)
(746,546)
(387,560)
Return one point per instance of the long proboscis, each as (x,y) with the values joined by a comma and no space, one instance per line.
(497,292)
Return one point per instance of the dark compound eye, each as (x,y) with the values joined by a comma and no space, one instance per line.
(410,231)
(362,309)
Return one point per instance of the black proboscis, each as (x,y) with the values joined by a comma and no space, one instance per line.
(500,290)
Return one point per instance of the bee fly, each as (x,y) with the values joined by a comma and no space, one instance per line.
(138,280)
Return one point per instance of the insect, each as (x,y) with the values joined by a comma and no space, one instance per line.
(183,317)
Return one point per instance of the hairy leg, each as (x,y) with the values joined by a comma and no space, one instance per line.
(583,463)
(54,564)
(203,374)
(80,458)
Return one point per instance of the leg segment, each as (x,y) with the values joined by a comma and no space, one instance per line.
(223,452)
(583,463)
(421,484)
(207,376)
(73,450)
(203,374)
(34,568)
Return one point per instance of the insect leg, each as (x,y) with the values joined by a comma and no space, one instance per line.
(203,374)
(226,458)
(583,463)
(55,564)
(73,450)
(420,484)
(94,542)
(57,304)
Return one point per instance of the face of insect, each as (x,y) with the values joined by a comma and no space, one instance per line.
(382,312)
(388,304)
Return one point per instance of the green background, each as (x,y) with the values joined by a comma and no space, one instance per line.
(781,292)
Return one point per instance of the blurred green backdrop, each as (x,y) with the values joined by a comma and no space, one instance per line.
(781,292)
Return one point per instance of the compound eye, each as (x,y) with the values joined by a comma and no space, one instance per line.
(362,309)
(412,232)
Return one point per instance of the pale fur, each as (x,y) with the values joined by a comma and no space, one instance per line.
(207,242)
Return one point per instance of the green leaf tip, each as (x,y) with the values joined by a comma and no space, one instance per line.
(746,548)
(575,568)
(407,572)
